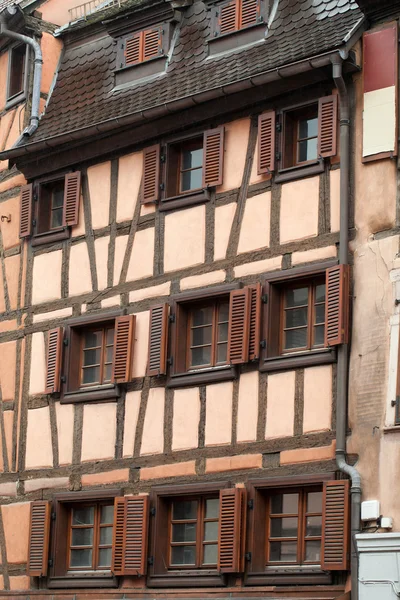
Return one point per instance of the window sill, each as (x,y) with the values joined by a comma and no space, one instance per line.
(186,579)
(101,394)
(184,200)
(302,359)
(392,429)
(79,581)
(16,99)
(236,40)
(202,376)
(134,73)
(289,576)
(51,236)
(299,171)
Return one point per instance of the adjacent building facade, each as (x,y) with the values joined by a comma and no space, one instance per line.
(199,323)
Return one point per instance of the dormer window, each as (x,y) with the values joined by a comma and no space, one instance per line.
(141,46)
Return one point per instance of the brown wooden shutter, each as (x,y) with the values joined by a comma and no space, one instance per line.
(266,142)
(255,321)
(337,305)
(25,223)
(238,327)
(232,515)
(123,348)
(152,43)
(136,527)
(327,126)
(213,157)
(249,13)
(117,561)
(335,526)
(54,358)
(39,533)
(72,196)
(227,21)
(158,340)
(132,49)
(151,174)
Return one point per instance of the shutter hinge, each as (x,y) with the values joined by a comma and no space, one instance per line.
(278,126)
(50,562)
(63,379)
(171,318)
(153,511)
(162,186)
(250,504)
(170,361)
(247,556)
(35,197)
(53,516)
(34,222)
(278,156)
(163,158)
(263,344)
(150,560)
(264,298)
(65,342)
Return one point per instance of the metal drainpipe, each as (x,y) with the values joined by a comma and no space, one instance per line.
(37,74)
(343,350)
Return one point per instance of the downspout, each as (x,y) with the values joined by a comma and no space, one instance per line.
(37,74)
(343,350)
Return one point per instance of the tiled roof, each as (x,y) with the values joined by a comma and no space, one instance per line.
(83,94)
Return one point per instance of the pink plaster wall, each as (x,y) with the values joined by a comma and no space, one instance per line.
(130,169)
(280,405)
(16,127)
(247,407)
(47,277)
(8,417)
(37,383)
(223,224)
(254,233)
(57,12)
(101,250)
(184,238)
(8,362)
(10,231)
(236,142)
(299,210)
(218,429)
(99,179)
(132,405)
(120,249)
(153,428)
(51,49)
(80,280)
(16,531)
(142,257)
(99,431)
(185,425)
(65,431)
(39,451)
(140,350)
(12,265)
(317,399)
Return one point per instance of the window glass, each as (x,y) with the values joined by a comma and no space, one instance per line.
(303,316)
(191,167)
(91,534)
(208,334)
(97,355)
(17,71)
(300,136)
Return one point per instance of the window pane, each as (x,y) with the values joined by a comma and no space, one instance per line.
(192,180)
(17,68)
(222,353)
(320,313)
(56,218)
(91,375)
(223,332)
(296,317)
(210,554)
(296,297)
(105,557)
(283,551)
(202,316)
(201,356)
(212,508)
(83,516)
(308,128)
(183,555)
(192,158)
(211,531)
(223,312)
(107,373)
(314,526)
(81,558)
(184,509)
(313,551)
(91,357)
(295,338)
(320,293)
(314,502)
(286,527)
(57,197)
(201,336)
(106,534)
(308,150)
(82,537)
(284,504)
(92,339)
(319,335)
(184,532)
(110,336)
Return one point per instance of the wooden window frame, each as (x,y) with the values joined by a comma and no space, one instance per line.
(53,235)
(59,576)
(70,391)
(215,304)
(16,98)
(104,328)
(272,359)
(258,573)
(179,376)
(159,575)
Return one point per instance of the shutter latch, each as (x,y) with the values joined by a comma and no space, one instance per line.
(263,343)
(153,511)
(50,562)
(171,318)
(247,557)
(150,560)
(250,504)
(170,361)
(278,156)
(264,298)
(53,516)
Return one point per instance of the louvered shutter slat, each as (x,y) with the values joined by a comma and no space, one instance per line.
(266,142)
(238,327)
(255,321)
(123,346)
(213,157)
(227,22)
(132,50)
(118,536)
(39,533)
(250,12)
(337,305)
(151,174)
(72,195)
(25,224)
(151,43)
(136,525)
(158,337)
(327,126)
(335,526)
(231,530)
(53,362)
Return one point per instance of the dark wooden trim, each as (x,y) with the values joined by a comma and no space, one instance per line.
(191,579)
(98,495)
(379,156)
(299,272)
(297,578)
(201,294)
(72,581)
(50,237)
(306,359)
(185,200)
(188,488)
(212,375)
(90,395)
(299,171)
(87,319)
(290,480)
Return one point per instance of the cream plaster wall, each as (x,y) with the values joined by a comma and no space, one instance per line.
(254,233)
(258,266)
(317,399)
(51,49)
(299,210)
(16,127)
(16,531)
(318,254)
(65,431)
(37,383)
(197,281)
(184,239)
(120,249)
(153,428)
(10,231)
(140,349)
(185,425)
(47,277)
(132,405)
(101,250)
(39,451)
(218,429)
(280,405)
(99,179)
(236,142)
(8,363)
(99,431)
(12,265)
(8,417)
(80,280)
(223,224)
(247,407)
(164,289)
(130,169)
(142,257)
(6,122)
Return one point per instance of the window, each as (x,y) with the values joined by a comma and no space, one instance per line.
(300,136)
(17,73)
(90,534)
(55,210)
(88,359)
(185,167)
(208,334)
(303,315)
(235,15)
(140,47)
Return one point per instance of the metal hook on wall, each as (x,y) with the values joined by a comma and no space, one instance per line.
(6,218)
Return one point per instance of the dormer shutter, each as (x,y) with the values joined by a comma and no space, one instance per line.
(72,195)
(327,126)
(132,49)
(266,142)
(54,358)
(249,13)
(152,43)
(213,157)
(227,18)
(151,174)
(25,224)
